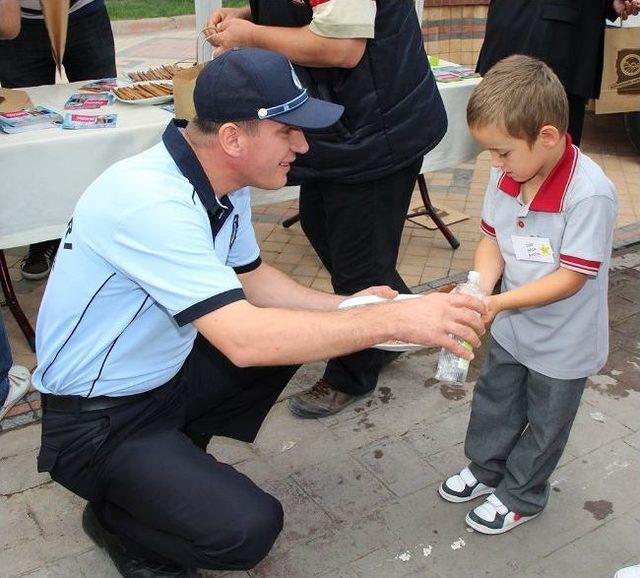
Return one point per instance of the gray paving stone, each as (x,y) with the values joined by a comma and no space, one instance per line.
(602,396)
(15,442)
(604,477)
(634,440)
(343,487)
(593,429)
(18,473)
(390,561)
(596,554)
(398,465)
(431,437)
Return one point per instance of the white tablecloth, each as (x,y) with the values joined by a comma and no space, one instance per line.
(43,173)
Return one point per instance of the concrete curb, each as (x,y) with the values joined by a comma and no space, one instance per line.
(122,27)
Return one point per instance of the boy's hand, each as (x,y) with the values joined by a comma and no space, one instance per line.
(493,308)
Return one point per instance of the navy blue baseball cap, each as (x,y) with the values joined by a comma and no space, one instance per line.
(257,84)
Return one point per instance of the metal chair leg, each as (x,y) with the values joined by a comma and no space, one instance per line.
(14,306)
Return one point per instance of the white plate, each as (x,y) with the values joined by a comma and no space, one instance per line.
(363,300)
(154,100)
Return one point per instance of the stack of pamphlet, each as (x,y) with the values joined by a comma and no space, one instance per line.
(102,85)
(454,73)
(93,100)
(74,121)
(29,119)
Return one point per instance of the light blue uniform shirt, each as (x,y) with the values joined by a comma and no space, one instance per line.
(149,249)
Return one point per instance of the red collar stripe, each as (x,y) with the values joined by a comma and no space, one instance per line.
(580,265)
(551,195)
(487,229)
(315,3)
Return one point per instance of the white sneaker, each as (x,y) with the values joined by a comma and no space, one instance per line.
(463,487)
(628,572)
(493,517)
(19,383)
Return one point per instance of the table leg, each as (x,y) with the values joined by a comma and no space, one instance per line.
(291,221)
(14,306)
(430,211)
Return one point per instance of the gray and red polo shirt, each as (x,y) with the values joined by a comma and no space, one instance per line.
(569,223)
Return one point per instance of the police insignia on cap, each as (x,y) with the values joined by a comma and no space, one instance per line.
(262,113)
(295,78)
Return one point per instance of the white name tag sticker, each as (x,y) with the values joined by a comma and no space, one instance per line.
(532,249)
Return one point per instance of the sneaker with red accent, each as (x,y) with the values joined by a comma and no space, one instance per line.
(493,517)
(463,487)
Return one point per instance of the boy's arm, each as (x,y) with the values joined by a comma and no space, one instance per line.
(558,285)
(488,262)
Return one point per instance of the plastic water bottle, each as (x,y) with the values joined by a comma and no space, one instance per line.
(452,368)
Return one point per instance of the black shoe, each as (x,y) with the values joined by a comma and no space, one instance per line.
(36,264)
(127,564)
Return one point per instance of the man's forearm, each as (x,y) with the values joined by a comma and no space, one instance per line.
(558,285)
(9,19)
(303,47)
(268,287)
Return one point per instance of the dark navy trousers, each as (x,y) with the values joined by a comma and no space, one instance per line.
(143,467)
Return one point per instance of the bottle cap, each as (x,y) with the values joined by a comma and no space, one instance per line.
(473,277)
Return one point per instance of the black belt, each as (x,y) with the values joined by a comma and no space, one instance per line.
(75,403)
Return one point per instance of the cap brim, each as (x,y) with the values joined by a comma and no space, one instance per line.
(314,113)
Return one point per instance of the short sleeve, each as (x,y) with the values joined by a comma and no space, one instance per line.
(587,237)
(487,220)
(343,18)
(168,250)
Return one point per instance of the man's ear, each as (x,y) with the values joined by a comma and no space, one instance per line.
(549,136)
(230,139)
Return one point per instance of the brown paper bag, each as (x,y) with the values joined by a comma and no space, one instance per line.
(56,19)
(12,100)
(183,84)
(620,88)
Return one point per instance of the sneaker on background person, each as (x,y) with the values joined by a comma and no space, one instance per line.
(463,487)
(36,264)
(628,572)
(493,517)
(14,388)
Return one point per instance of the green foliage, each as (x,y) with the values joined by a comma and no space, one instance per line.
(134,9)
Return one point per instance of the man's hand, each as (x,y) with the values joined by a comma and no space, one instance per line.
(383,291)
(218,16)
(231,33)
(626,8)
(432,319)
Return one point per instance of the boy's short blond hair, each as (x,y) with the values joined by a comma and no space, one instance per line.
(521,94)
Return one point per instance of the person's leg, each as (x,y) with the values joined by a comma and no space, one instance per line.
(170,502)
(15,380)
(362,229)
(26,60)
(577,107)
(226,400)
(90,52)
(498,415)
(552,405)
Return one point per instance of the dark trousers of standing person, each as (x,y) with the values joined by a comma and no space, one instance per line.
(519,426)
(27,61)
(143,468)
(355,229)
(577,107)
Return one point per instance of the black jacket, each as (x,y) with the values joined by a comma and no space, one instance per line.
(567,34)
(393,110)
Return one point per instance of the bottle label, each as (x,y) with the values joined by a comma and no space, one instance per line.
(464,363)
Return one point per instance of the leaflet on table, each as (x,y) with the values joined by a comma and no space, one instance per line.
(82,121)
(102,85)
(85,101)
(454,73)
(169,107)
(36,118)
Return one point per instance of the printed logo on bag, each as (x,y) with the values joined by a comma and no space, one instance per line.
(628,72)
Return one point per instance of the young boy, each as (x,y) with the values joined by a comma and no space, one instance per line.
(548,220)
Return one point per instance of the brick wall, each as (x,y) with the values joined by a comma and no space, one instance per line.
(454,29)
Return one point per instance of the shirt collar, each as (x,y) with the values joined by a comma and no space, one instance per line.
(550,197)
(190,167)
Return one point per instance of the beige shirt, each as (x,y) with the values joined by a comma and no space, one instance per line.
(343,18)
